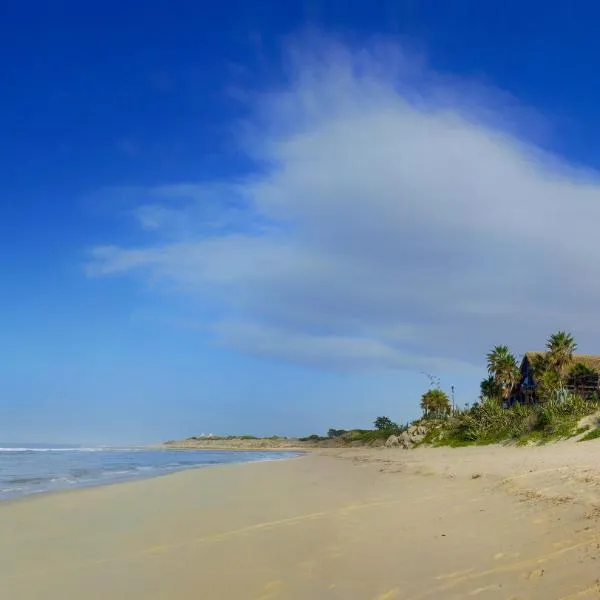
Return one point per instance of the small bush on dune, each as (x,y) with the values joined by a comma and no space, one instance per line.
(591,435)
(367,435)
(384,428)
(312,438)
(335,433)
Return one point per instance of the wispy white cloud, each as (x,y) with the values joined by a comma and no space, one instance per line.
(396,220)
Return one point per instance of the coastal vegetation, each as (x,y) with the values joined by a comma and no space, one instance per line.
(503,370)
(487,422)
(562,399)
(384,427)
(435,404)
(591,435)
(565,393)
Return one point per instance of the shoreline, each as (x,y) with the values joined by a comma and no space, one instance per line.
(374,524)
(231,448)
(249,445)
(76,487)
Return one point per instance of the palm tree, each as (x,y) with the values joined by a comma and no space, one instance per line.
(560,346)
(435,403)
(502,366)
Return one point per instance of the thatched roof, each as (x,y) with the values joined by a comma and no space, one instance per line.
(592,361)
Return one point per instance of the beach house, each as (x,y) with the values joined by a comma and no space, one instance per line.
(580,376)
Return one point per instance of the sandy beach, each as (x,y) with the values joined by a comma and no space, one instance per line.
(509,523)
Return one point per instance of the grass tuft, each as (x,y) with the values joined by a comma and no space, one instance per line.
(591,435)
(489,423)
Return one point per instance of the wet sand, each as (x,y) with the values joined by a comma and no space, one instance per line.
(520,523)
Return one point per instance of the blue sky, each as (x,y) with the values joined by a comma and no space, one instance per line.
(277,217)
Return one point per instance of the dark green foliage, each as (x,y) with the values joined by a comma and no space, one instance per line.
(370,435)
(502,367)
(312,438)
(550,373)
(435,404)
(579,372)
(560,346)
(490,389)
(360,436)
(549,386)
(582,377)
(539,365)
(554,416)
(487,422)
(383,423)
(335,433)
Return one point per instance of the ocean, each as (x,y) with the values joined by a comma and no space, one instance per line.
(35,468)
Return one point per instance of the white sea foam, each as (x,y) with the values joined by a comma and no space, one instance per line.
(91,449)
(29,469)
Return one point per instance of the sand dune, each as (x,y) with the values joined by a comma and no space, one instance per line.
(509,523)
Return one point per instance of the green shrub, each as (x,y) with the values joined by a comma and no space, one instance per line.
(312,438)
(488,422)
(334,433)
(384,424)
(591,435)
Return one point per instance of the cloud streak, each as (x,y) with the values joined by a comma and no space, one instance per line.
(395,220)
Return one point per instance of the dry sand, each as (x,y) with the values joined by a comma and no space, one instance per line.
(507,523)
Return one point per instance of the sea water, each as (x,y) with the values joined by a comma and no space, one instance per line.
(34,468)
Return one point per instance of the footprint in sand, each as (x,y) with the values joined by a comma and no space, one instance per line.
(535,574)
(271,591)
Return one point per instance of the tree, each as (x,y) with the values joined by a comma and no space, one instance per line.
(502,366)
(384,424)
(435,403)
(539,365)
(489,389)
(549,386)
(581,377)
(560,346)
(334,433)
